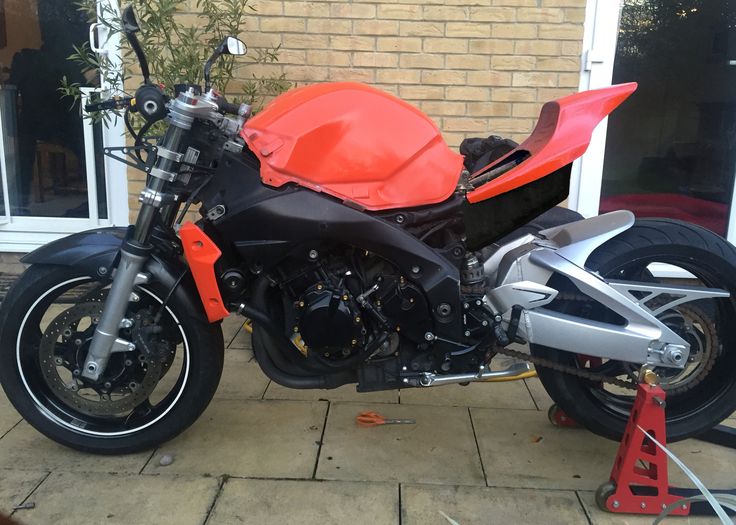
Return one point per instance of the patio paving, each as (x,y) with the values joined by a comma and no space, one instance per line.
(283,502)
(264,454)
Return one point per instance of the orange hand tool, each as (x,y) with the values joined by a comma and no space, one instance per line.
(373,419)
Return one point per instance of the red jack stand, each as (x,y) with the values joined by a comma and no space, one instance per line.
(639,483)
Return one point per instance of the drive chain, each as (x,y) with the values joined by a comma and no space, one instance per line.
(579,372)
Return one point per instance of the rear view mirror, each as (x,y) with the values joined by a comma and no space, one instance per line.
(130,28)
(130,20)
(229,46)
(233,46)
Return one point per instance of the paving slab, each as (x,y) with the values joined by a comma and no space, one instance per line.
(16,485)
(540,395)
(277,439)
(241,340)
(241,377)
(277,502)
(422,504)
(601,517)
(521,448)
(439,448)
(8,416)
(343,393)
(512,394)
(24,448)
(120,499)
(231,326)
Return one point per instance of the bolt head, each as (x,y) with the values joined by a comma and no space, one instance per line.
(406,380)
(616,504)
(415,269)
(643,505)
(403,368)
(313,254)
(467,333)
(429,336)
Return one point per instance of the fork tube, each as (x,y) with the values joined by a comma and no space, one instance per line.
(134,254)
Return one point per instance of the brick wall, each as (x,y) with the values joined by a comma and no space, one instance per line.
(475,66)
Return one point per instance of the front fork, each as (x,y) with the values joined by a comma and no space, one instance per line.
(134,255)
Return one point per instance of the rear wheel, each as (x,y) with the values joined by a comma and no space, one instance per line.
(144,397)
(702,394)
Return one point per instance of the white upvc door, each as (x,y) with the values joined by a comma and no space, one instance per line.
(25,232)
(602,26)
(596,71)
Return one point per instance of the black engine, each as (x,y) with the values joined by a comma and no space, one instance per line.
(351,305)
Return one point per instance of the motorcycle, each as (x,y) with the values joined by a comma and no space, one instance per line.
(365,252)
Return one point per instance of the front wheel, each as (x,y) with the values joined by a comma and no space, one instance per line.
(144,397)
(702,394)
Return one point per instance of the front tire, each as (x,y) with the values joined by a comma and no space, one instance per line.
(709,395)
(190,361)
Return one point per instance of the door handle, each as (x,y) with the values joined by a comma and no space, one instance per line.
(95,37)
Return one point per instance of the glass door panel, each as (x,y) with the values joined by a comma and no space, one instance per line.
(48,176)
(671,148)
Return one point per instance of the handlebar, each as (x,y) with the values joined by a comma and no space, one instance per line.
(227,107)
(105,105)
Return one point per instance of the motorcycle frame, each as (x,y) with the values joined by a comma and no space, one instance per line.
(291,217)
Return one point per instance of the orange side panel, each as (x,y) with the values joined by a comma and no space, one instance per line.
(562,135)
(201,254)
(356,143)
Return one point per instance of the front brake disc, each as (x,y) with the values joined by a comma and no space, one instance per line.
(110,396)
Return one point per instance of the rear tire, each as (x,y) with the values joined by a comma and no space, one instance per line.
(201,344)
(713,398)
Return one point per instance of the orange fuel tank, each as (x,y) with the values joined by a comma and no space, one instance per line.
(356,143)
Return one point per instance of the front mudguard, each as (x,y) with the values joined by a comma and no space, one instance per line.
(96,253)
(93,251)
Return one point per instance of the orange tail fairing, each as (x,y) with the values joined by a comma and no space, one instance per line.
(562,135)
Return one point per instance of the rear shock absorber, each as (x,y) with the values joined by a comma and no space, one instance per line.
(471,276)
